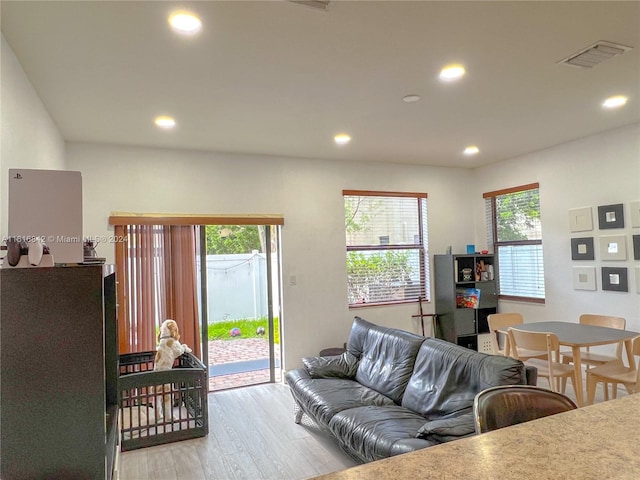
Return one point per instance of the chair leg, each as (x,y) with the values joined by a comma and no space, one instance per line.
(591,389)
(614,390)
(605,386)
(565,360)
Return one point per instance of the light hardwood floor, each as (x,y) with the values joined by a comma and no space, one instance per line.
(252,436)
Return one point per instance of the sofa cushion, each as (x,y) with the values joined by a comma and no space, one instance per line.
(387,357)
(447,377)
(341,366)
(322,398)
(372,433)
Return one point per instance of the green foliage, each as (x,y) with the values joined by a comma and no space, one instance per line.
(229,239)
(517,214)
(358,213)
(382,270)
(248,328)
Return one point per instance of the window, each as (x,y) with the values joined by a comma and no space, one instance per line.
(386,237)
(515,231)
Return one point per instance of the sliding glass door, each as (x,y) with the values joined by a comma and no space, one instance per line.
(239,274)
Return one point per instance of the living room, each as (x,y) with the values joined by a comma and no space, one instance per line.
(590,168)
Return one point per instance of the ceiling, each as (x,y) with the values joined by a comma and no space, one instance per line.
(281,79)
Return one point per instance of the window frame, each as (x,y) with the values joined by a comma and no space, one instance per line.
(421,247)
(514,243)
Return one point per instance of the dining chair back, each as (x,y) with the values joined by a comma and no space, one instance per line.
(615,373)
(506,405)
(550,367)
(500,322)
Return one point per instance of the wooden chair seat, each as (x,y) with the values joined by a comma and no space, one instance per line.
(615,373)
(559,369)
(590,358)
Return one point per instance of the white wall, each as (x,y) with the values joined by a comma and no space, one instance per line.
(28,136)
(598,170)
(309,195)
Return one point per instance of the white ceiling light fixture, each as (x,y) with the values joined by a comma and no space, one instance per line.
(185,22)
(411,98)
(165,122)
(471,150)
(452,72)
(615,102)
(342,139)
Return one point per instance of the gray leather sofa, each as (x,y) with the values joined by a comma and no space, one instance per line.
(394,392)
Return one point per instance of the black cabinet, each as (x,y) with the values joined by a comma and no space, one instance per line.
(466,294)
(58,352)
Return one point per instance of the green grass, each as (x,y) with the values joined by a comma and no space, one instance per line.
(220,330)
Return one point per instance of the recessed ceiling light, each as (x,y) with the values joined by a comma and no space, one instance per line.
(411,98)
(165,122)
(185,22)
(452,72)
(615,102)
(342,139)
(471,150)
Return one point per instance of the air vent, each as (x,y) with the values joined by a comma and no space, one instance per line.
(595,54)
(317,4)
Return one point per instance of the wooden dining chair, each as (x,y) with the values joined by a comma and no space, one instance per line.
(615,373)
(499,323)
(551,367)
(506,405)
(590,358)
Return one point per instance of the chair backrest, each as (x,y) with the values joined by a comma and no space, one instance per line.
(503,406)
(603,321)
(501,321)
(636,346)
(538,341)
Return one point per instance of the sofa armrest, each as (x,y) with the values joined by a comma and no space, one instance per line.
(338,366)
(292,376)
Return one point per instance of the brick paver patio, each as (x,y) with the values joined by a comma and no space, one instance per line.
(240,350)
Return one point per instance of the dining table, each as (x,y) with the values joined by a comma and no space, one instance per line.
(578,336)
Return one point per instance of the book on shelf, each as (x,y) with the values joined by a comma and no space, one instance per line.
(467,297)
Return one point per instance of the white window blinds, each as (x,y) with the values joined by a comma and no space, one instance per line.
(515,230)
(386,240)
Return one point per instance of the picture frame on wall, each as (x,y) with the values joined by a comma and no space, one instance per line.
(614,279)
(580,219)
(613,247)
(582,248)
(584,278)
(636,247)
(635,214)
(637,279)
(611,216)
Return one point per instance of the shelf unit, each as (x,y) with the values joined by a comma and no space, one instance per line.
(459,321)
(58,349)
